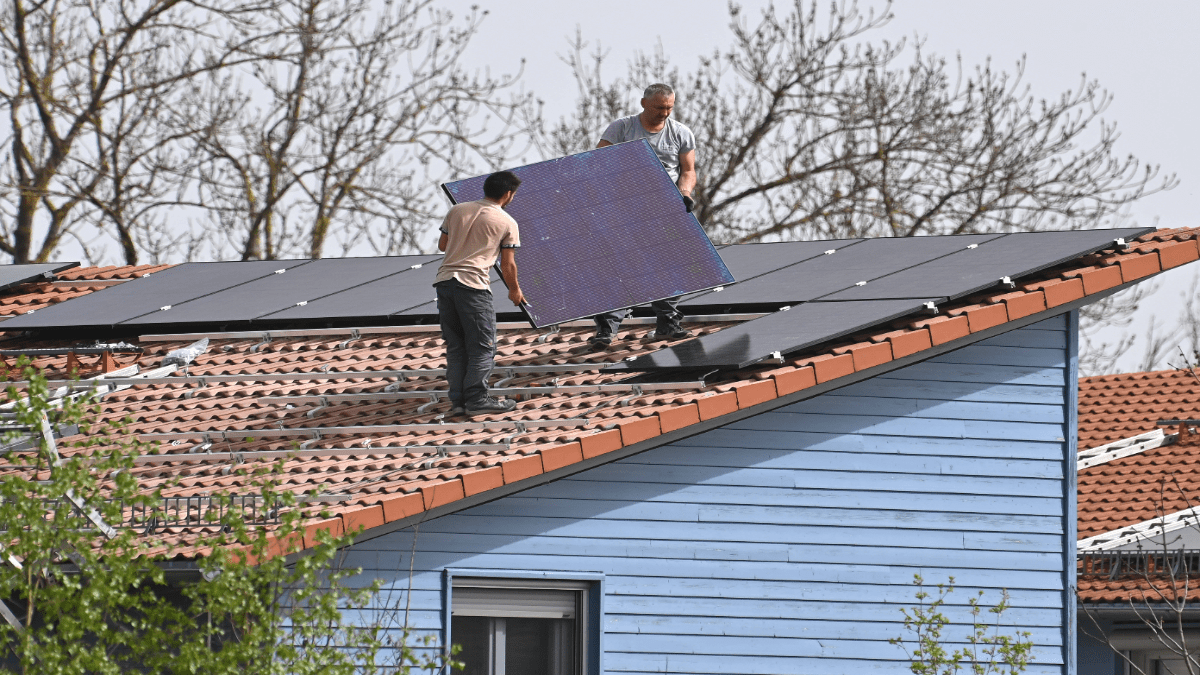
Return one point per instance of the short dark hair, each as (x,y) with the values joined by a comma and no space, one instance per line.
(659,89)
(499,183)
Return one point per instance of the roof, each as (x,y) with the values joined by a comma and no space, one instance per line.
(1157,481)
(387,462)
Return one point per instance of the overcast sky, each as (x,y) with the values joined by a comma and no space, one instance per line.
(1145,53)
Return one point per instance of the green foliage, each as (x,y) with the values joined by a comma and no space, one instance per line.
(986,650)
(90,603)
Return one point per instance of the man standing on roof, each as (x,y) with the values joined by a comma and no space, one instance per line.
(675,146)
(473,235)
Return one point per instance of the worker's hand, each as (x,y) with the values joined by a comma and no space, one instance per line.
(688,203)
(516,296)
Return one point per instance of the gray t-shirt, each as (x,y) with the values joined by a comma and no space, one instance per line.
(669,143)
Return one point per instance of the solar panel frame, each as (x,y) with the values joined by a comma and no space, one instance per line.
(113,305)
(750,261)
(784,332)
(271,297)
(578,216)
(970,271)
(863,261)
(15,275)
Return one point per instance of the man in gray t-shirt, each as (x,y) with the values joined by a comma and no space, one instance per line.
(675,146)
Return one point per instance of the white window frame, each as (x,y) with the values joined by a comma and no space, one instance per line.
(588,613)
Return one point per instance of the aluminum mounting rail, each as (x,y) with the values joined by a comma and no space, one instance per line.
(365,430)
(435,395)
(204,380)
(426,450)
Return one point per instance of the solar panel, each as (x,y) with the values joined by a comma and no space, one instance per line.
(15,275)
(785,332)
(972,270)
(275,293)
(110,306)
(747,261)
(603,230)
(824,274)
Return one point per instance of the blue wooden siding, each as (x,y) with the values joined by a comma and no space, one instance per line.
(787,542)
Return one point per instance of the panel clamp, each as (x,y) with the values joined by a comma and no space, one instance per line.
(931,307)
(1005,281)
(1120,243)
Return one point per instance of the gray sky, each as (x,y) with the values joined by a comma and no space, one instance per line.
(1144,53)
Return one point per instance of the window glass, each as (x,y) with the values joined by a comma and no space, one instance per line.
(517,631)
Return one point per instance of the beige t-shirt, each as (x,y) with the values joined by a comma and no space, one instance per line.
(476,231)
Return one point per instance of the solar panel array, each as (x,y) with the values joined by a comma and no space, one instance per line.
(248,291)
(15,275)
(603,230)
(856,284)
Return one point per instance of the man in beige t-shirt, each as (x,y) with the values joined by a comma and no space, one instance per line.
(474,234)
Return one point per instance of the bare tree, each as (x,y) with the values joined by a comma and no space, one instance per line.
(1159,581)
(74,70)
(341,140)
(808,130)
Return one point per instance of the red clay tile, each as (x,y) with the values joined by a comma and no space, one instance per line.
(989,316)
(440,494)
(716,405)
(943,329)
(1139,266)
(331,525)
(561,455)
(1097,280)
(363,518)
(752,393)
(482,480)
(1060,292)
(829,367)
(678,417)
(638,430)
(600,443)
(791,380)
(400,506)
(519,468)
(871,355)
(907,342)
(1174,255)
(1021,305)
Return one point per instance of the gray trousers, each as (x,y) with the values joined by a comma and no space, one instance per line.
(469,328)
(665,311)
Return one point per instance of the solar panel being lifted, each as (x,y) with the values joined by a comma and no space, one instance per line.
(603,230)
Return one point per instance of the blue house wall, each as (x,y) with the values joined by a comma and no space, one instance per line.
(787,542)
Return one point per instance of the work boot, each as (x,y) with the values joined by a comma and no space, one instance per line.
(600,341)
(675,332)
(490,406)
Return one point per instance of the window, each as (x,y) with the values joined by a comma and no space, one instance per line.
(519,626)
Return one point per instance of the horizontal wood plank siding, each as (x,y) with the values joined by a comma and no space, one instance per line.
(787,542)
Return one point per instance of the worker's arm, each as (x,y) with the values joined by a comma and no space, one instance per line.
(508,270)
(603,144)
(687,173)
(443,241)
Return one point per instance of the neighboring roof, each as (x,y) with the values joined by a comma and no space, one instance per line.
(398,474)
(1127,499)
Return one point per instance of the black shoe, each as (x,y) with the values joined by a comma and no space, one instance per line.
(600,342)
(670,333)
(489,406)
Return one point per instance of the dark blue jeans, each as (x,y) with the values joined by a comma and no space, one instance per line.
(469,329)
(665,311)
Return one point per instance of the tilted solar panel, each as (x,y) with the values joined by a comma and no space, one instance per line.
(783,332)
(603,230)
(972,270)
(749,261)
(15,275)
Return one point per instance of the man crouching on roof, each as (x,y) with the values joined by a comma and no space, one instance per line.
(473,235)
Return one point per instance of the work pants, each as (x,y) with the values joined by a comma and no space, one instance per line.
(468,320)
(665,311)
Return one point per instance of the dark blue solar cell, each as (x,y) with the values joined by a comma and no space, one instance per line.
(603,230)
